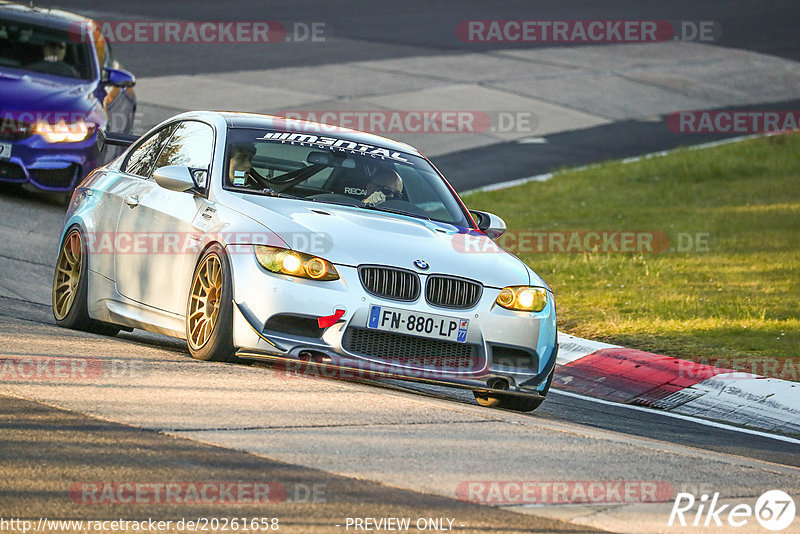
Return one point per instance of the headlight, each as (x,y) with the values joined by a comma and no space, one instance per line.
(285,261)
(63,132)
(523,298)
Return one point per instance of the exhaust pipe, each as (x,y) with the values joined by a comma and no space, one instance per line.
(498,383)
(314,356)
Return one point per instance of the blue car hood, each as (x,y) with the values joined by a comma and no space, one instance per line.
(34,92)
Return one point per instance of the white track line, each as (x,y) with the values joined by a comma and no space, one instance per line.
(705,422)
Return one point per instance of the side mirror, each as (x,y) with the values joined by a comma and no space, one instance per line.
(489,223)
(174,178)
(118,77)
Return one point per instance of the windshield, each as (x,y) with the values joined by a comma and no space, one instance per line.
(337,171)
(45,50)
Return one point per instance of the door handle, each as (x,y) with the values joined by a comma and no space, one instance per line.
(132,200)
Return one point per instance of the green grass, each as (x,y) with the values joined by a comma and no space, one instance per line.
(740,299)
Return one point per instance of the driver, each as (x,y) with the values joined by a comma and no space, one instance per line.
(386,184)
(240,166)
(53,54)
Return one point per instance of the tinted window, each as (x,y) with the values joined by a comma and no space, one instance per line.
(45,50)
(191,146)
(142,159)
(338,171)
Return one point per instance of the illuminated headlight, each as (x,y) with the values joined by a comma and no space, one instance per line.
(523,298)
(63,132)
(285,261)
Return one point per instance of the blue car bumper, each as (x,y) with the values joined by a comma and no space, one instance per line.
(49,166)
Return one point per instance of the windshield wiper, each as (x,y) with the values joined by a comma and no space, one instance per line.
(398,212)
(272,193)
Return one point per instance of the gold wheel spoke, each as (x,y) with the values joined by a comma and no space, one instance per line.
(64,297)
(203,310)
(68,270)
(203,277)
(217,275)
(197,325)
(204,331)
(73,249)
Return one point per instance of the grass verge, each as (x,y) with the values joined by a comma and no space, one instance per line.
(726,287)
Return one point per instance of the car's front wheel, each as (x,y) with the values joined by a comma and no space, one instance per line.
(513,402)
(71,286)
(209,314)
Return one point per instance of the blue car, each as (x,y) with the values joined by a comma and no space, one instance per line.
(59,85)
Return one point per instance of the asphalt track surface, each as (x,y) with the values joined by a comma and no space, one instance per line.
(46,449)
(71,433)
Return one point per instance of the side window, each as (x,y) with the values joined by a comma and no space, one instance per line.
(190,146)
(141,160)
(102,49)
(108,60)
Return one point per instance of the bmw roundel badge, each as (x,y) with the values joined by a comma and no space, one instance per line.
(421,264)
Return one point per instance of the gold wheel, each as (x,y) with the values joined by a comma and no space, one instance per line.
(205,300)
(68,275)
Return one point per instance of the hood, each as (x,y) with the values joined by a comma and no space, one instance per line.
(355,236)
(21,91)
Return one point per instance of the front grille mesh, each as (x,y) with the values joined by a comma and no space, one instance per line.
(449,292)
(514,357)
(390,283)
(55,177)
(11,171)
(412,351)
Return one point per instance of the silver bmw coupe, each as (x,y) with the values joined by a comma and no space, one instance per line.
(260,237)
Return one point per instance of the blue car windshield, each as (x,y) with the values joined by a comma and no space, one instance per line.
(337,171)
(46,50)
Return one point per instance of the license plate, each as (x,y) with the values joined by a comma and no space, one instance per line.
(5,150)
(418,324)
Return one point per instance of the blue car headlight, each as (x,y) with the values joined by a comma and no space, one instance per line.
(63,132)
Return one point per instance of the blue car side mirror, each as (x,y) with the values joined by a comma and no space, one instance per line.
(118,77)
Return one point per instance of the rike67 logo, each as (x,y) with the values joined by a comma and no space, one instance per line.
(774,510)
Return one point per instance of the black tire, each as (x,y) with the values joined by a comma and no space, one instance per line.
(217,344)
(74,314)
(513,402)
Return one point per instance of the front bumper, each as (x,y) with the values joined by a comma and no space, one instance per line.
(49,166)
(509,350)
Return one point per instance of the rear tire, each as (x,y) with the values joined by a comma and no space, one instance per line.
(209,312)
(513,402)
(71,286)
